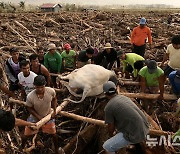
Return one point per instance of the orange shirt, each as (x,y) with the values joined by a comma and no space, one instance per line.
(139,36)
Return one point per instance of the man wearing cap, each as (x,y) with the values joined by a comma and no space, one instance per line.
(173,54)
(85,56)
(69,57)
(131,63)
(53,61)
(174,78)
(123,115)
(151,81)
(39,103)
(139,36)
(107,57)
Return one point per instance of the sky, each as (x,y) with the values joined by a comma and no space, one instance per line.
(175,3)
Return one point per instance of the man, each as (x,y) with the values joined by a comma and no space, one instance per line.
(26,78)
(139,36)
(39,103)
(8,121)
(174,78)
(40,52)
(131,63)
(173,53)
(53,61)
(85,56)
(122,114)
(69,58)
(108,57)
(12,68)
(151,81)
(38,68)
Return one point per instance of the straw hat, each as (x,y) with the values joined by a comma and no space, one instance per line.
(108,46)
(51,46)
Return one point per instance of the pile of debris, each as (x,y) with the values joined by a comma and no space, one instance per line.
(27,31)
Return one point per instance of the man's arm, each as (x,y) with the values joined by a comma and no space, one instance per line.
(142,84)
(59,62)
(5,90)
(46,73)
(111,129)
(20,122)
(54,105)
(165,58)
(150,38)
(9,74)
(33,112)
(161,80)
(46,61)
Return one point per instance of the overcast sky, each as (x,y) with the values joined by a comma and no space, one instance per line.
(102,2)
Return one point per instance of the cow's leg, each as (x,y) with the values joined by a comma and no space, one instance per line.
(66,84)
(85,92)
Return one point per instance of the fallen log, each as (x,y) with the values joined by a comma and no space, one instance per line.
(149,96)
(22,26)
(44,120)
(81,118)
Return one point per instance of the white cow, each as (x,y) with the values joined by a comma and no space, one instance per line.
(90,78)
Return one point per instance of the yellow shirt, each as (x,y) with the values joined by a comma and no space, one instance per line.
(174,57)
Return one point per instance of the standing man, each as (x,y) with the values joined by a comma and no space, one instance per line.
(69,57)
(39,103)
(38,68)
(26,78)
(122,114)
(40,52)
(53,61)
(173,54)
(12,68)
(139,36)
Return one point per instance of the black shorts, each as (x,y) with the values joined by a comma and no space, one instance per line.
(140,50)
(168,70)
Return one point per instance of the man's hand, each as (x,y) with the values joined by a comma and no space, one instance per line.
(54,114)
(32,126)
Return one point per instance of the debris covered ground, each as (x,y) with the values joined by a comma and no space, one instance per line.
(27,31)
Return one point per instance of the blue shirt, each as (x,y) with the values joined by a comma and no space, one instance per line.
(175,85)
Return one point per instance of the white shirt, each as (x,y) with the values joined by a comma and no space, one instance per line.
(27,82)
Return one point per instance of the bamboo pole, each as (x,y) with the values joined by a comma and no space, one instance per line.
(149,96)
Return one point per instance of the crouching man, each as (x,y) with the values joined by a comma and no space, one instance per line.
(39,102)
(123,115)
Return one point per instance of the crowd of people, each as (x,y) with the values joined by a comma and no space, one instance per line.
(33,78)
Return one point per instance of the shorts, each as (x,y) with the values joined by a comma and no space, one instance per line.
(140,50)
(49,127)
(168,70)
(115,143)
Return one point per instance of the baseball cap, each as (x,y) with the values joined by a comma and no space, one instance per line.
(67,46)
(142,21)
(109,87)
(152,66)
(177,77)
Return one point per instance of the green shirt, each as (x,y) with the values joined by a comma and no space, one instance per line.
(131,58)
(151,79)
(69,58)
(53,62)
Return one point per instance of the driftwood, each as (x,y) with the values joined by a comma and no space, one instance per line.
(22,26)
(78,143)
(20,37)
(149,96)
